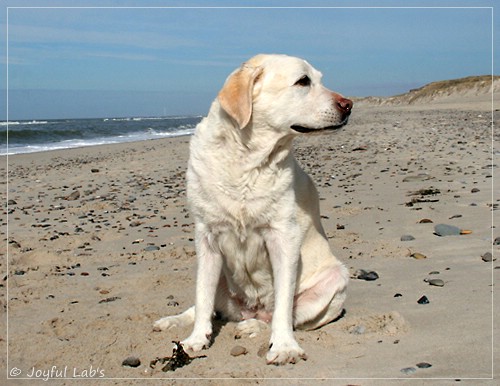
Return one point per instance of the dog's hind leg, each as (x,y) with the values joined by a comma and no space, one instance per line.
(323,302)
(180,320)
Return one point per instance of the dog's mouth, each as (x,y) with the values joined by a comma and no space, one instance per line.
(305,129)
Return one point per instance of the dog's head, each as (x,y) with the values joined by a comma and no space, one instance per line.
(284,93)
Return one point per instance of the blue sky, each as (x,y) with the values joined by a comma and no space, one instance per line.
(107,62)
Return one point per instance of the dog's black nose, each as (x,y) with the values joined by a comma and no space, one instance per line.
(344,105)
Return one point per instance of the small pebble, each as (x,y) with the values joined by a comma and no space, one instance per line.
(150,248)
(73,196)
(131,362)
(446,230)
(423,365)
(409,370)
(238,350)
(423,300)
(487,257)
(419,177)
(407,238)
(418,256)
(366,275)
(497,241)
(436,282)
(425,221)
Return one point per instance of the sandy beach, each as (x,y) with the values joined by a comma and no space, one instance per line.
(100,245)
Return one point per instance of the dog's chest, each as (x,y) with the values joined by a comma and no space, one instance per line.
(247,267)
(242,202)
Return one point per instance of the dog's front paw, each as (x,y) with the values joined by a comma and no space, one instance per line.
(285,352)
(196,342)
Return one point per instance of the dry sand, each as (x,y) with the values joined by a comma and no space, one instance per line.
(88,275)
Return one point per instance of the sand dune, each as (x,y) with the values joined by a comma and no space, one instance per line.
(471,89)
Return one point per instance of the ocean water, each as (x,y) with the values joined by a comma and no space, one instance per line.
(42,135)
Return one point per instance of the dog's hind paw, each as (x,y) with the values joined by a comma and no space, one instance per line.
(250,328)
(181,320)
(165,323)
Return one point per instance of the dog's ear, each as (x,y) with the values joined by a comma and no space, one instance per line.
(236,95)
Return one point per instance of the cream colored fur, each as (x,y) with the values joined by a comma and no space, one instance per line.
(262,253)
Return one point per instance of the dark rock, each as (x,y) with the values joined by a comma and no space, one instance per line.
(366,275)
(446,230)
(407,238)
(487,257)
(131,362)
(423,300)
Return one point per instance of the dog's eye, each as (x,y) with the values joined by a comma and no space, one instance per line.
(305,81)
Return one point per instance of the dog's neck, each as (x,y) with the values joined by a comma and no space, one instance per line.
(252,147)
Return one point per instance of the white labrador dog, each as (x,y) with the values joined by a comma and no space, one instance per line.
(262,253)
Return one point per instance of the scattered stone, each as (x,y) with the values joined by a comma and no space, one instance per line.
(425,221)
(455,216)
(423,300)
(398,295)
(131,362)
(238,350)
(425,192)
(446,230)
(418,177)
(418,256)
(407,238)
(409,370)
(172,303)
(436,282)
(94,170)
(73,196)
(487,257)
(151,248)
(361,274)
(423,365)
(496,241)
(475,190)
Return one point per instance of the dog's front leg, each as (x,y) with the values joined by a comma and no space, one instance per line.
(208,273)
(284,252)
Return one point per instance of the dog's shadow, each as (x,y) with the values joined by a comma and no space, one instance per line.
(218,322)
